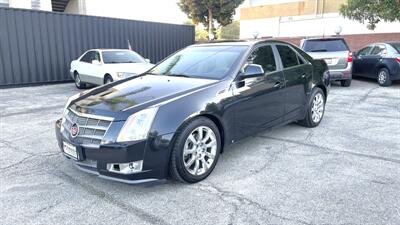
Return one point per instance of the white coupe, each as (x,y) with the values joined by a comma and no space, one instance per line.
(102,66)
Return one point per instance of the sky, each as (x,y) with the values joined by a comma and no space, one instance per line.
(166,11)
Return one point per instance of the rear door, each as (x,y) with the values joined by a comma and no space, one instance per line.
(373,59)
(297,72)
(261,100)
(359,61)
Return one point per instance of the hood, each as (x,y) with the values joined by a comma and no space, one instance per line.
(137,68)
(121,99)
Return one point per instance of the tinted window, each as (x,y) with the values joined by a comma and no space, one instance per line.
(396,46)
(364,51)
(288,56)
(87,57)
(97,56)
(213,62)
(121,57)
(377,50)
(263,56)
(327,45)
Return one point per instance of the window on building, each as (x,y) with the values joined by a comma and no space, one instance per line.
(4,3)
(35,4)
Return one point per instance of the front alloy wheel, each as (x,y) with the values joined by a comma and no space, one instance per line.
(195,150)
(78,82)
(199,151)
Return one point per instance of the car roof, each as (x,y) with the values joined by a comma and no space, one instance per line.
(108,49)
(323,38)
(239,42)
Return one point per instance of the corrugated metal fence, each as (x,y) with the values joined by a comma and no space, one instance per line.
(38,46)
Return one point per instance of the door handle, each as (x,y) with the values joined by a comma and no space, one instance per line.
(303,75)
(278,84)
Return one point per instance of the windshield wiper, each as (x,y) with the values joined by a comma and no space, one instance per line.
(178,75)
(319,50)
(150,73)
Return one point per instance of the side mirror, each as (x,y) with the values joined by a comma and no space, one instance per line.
(96,62)
(252,70)
(148,60)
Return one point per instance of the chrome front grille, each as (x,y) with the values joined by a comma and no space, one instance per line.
(91,128)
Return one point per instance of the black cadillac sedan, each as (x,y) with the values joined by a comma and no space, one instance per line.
(176,119)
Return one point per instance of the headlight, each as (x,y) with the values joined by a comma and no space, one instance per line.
(137,126)
(123,75)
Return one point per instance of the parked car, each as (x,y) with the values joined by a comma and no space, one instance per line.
(336,54)
(102,66)
(380,61)
(177,118)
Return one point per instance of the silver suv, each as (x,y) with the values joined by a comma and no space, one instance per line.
(336,54)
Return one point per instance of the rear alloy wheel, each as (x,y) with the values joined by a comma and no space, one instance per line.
(383,78)
(316,109)
(196,151)
(345,83)
(78,82)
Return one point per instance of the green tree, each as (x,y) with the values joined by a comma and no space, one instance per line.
(209,11)
(231,31)
(371,11)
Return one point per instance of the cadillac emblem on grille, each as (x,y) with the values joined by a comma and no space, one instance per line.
(74,130)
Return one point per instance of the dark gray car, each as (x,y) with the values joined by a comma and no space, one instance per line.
(336,54)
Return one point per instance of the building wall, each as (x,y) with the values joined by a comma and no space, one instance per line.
(302,18)
(355,41)
(76,7)
(272,9)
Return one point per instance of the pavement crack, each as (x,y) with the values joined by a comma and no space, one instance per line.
(336,151)
(140,213)
(236,197)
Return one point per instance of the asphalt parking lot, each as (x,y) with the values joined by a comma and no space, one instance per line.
(346,171)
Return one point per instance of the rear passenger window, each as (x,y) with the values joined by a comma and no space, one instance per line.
(364,51)
(263,56)
(288,56)
(378,50)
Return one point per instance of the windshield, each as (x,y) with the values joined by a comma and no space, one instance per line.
(121,57)
(328,45)
(396,46)
(210,62)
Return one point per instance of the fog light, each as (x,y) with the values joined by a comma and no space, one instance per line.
(125,168)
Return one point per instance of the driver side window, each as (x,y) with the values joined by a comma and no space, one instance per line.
(263,56)
(88,57)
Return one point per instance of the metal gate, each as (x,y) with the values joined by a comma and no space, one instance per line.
(38,46)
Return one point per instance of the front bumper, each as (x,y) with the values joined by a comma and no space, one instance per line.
(154,152)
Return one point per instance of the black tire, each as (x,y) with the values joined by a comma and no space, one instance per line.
(78,83)
(177,167)
(345,83)
(108,79)
(383,78)
(308,120)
